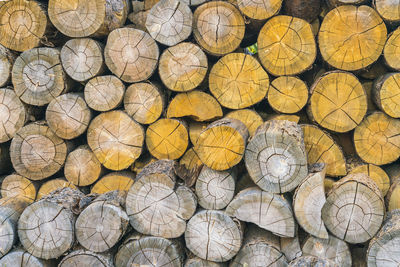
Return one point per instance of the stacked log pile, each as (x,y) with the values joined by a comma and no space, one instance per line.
(199,133)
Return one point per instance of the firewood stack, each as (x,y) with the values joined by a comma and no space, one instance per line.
(199,133)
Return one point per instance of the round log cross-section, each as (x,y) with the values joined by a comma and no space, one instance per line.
(23,23)
(144,102)
(211,227)
(169,22)
(351,37)
(104,93)
(82,58)
(183,67)
(116,139)
(286,46)
(222,144)
(238,81)
(377,139)
(338,110)
(121,181)
(131,54)
(218,27)
(38,76)
(259,9)
(149,251)
(13,114)
(276,158)
(354,209)
(36,152)
(68,116)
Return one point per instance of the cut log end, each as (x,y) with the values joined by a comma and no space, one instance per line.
(13,114)
(169,22)
(167,139)
(7,59)
(276,158)
(386,90)
(104,93)
(288,94)
(38,76)
(68,115)
(321,147)
(144,102)
(15,185)
(222,144)
(82,168)
(115,139)
(230,84)
(157,182)
(354,209)
(121,181)
(83,257)
(148,250)
(52,185)
(128,58)
(36,152)
(20,257)
(82,59)
(377,174)
(209,227)
(377,139)
(259,9)
(349,21)
(341,111)
(183,67)
(289,34)
(23,24)
(218,27)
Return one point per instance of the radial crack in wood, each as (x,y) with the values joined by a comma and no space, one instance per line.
(267,210)
(13,114)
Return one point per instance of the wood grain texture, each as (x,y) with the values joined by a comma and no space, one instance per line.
(383,248)
(22,258)
(104,93)
(115,139)
(215,189)
(83,257)
(222,144)
(195,104)
(121,181)
(48,220)
(131,54)
(222,235)
(77,18)
(82,168)
(376,139)
(7,59)
(23,23)
(17,186)
(389,10)
(238,81)
(167,138)
(36,152)
(10,211)
(275,156)
(311,261)
(13,114)
(385,94)
(331,248)
(248,117)
(308,200)
(376,173)
(183,67)
(352,38)
(267,210)
(169,22)
(218,27)
(68,115)
(52,185)
(259,9)
(144,102)
(321,147)
(354,209)
(287,94)
(82,58)
(286,46)
(155,205)
(337,110)
(103,223)
(391,50)
(149,250)
(38,76)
